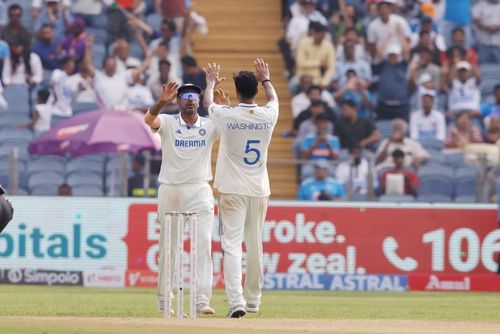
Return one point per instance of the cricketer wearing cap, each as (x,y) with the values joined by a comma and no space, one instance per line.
(242,180)
(186,142)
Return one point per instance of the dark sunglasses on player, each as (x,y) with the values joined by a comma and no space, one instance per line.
(187,96)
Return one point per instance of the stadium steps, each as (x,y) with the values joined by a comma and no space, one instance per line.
(239,32)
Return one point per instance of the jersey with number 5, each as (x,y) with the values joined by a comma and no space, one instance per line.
(246,132)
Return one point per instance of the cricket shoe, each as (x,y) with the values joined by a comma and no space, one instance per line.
(204,309)
(237,311)
(252,308)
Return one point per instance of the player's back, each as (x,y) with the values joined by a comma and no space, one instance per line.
(246,132)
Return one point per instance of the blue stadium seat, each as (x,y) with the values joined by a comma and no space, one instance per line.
(87,190)
(435,185)
(307,170)
(455,159)
(465,172)
(100,35)
(488,85)
(465,199)
(85,178)
(465,186)
(46,178)
(434,198)
(396,198)
(436,157)
(359,197)
(45,190)
(85,165)
(83,107)
(154,20)
(40,165)
(15,134)
(489,71)
(385,128)
(432,144)
(435,170)
(55,119)
(296,147)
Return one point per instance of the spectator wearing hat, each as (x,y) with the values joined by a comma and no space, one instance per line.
(55,15)
(486,17)
(427,123)
(322,144)
(308,93)
(415,154)
(463,90)
(420,64)
(360,66)
(47,48)
(321,187)
(462,132)
(136,181)
(411,181)
(355,90)
(354,130)
(382,29)
(393,96)
(353,174)
(73,46)
(316,56)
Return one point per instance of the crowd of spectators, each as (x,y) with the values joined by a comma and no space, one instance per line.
(385,78)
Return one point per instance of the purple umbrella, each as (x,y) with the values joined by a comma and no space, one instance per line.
(97,132)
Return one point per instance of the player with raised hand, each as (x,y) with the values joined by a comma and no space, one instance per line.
(186,142)
(242,179)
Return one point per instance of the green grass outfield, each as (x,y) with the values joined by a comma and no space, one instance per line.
(30,309)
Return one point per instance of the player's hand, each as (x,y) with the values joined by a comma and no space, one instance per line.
(221,97)
(213,75)
(169,92)
(262,70)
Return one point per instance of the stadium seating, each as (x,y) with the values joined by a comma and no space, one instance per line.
(435,184)
(45,165)
(87,190)
(434,198)
(45,178)
(385,128)
(432,144)
(396,198)
(84,178)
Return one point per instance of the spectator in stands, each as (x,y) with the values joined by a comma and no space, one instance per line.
(427,123)
(321,187)
(136,181)
(411,181)
(172,42)
(46,47)
(340,21)
(359,45)
(360,66)
(173,10)
(65,190)
(355,131)
(355,89)
(121,53)
(393,98)
(353,174)
(463,89)
(381,30)
(64,88)
(492,133)
(139,97)
(54,15)
(322,144)
(36,6)
(118,26)
(41,115)
(297,29)
(425,43)
(156,86)
(308,126)
(463,132)
(4,52)
(3,102)
(492,109)
(420,64)
(458,40)
(415,154)
(73,45)
(317,107)
(192,73)
(111,86)
(309,92)
(457,15)
(89,11)
(316,56)
(15,71)
(486,16)
(426,28)
(16,32)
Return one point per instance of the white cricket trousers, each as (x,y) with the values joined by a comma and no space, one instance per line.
(194,198)
(242,219)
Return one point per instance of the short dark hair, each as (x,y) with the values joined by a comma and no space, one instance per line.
(425,50)
(497,87)
(46,25)
(164,62)
(106,59)
(64,61)
(458,29)
(397,153)
(170,24)
(43,95)
(317,26)
(351,71)
(188,61)
(313,87)
(246,84)
(14,7)
(322,117)
(348,102)
(423,33)
(348,30)
(318,103)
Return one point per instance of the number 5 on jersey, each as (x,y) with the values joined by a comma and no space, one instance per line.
(252,153)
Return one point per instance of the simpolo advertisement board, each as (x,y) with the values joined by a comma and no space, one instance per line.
(347,246)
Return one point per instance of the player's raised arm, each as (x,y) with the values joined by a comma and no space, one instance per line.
(168,95)
(213,79)
(262,74)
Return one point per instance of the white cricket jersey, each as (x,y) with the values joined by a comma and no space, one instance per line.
(246,132)
(186,151)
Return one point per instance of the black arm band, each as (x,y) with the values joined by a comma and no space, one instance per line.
(267,80)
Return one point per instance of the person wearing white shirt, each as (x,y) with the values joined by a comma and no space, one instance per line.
(427,123)
(353,174)
(139,97)
(3,102)
(111,86)
(41,115)
(309,92)
(186,141)
(121,52)
(463,90)
(63,88)
(14,71)
(387,24)
(242,180)
(486,16)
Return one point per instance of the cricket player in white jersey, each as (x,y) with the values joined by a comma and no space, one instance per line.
(186,142)
(242,180)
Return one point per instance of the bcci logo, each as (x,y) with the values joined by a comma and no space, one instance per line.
(202,132)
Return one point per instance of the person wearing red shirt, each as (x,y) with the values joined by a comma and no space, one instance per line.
(410,178)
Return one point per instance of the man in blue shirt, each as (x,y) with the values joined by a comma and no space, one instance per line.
(321,187)
(322,145)
(46,48)
(492,109)
(457,14)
